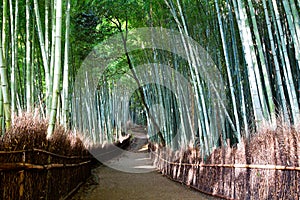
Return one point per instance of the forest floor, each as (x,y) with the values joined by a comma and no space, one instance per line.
(112,184)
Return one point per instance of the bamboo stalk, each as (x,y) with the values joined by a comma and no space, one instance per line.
(13,58)
(286,62)
(3,67)
(57,69)
(42,43)
(225,51)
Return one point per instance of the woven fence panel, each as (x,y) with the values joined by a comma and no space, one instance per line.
(38,174)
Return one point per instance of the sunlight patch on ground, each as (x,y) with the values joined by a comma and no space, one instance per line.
(139,159)
(144,148)
(144,167)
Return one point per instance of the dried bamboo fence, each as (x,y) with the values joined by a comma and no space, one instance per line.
(39,174)
(34,167)
(265,168)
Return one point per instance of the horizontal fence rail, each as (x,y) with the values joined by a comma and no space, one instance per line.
(230,181)
(19,166)
(40,174)
(42,151)
(249,166)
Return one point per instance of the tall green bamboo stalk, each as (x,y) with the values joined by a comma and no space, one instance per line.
(47,28)
(5,91)
(293,23)
(13,58)
(57,69)
(28,58)
(52,60)
(286,62)
(276,63)
(65,92)
(250,58)
(42,46)
(3,68)
(225,51)
(269,97)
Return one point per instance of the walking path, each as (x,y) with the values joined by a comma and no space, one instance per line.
(112,184)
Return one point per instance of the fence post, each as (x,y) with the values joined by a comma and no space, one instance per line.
(48,177)
(21,178)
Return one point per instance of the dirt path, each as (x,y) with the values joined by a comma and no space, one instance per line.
(111,184)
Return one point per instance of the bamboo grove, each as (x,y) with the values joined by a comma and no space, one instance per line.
(254,46)
(31,59)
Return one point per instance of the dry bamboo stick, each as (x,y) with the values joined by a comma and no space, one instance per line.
(12,152)
(14,166)
(43,151)
(8,166)
(65,165)
(57,155)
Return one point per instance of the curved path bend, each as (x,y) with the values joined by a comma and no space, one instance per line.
(111,184)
